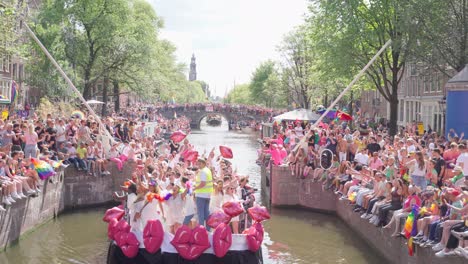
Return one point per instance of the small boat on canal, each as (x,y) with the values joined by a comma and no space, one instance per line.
(213,120)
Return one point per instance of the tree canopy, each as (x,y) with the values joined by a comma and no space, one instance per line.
(114,43)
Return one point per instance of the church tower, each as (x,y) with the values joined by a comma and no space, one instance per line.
(193,69)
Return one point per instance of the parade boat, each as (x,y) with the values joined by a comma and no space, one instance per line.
(156,246)
(213,120)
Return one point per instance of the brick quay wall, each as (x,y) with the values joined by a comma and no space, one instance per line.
(285,190)
(69,189)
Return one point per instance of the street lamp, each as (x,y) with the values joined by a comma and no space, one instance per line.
(442,110)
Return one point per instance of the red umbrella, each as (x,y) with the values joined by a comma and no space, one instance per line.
(343,116)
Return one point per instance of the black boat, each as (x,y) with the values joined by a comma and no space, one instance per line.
(213,120)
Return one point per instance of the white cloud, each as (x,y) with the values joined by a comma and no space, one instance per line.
(229,37)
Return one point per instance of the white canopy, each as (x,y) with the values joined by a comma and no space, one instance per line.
(94,102)
(298,114)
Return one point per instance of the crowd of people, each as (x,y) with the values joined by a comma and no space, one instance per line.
(379,174)
(166,184)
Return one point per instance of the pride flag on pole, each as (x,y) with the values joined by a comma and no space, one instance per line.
(44,169)
(14,91)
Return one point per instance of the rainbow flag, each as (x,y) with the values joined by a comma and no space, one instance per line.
(411,228)
(14,88)
(78,114)
(44,169)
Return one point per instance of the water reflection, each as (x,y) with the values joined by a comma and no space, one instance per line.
(292,236)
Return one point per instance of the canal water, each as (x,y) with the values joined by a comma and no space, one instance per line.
(292,236)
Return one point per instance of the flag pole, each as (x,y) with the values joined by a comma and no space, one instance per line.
(351,84)
(70,83)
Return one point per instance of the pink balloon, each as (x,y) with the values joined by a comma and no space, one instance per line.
(222,240)
(153,236)
(130,245)
(226,152)
(218,218)
(255,237)
(191,156)
(258,213)
(233,209)
(178,136)
(114,212)
(111,228)
(120,231)
(191,243)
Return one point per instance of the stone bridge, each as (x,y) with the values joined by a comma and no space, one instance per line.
(231,114)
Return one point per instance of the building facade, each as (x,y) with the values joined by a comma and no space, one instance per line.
(420,95)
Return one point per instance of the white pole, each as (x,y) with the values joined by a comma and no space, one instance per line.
(70,83)
(358,76)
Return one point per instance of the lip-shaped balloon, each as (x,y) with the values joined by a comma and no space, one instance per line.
(222,240)
(226,152)
(217,218)
(191,243)
(121,229)
(233,209)
(111,228)
(114,212)
(255,237)
(130,245)
(153,236)
(178,136)
(191,155)
(258,213)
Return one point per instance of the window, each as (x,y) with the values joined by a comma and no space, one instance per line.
(402,110)
(5,89)
(20,73)
(6,63)
(14,72)
(426,85)
(441,83)
(434,83)
(413,70)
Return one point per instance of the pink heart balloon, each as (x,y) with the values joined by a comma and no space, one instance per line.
(153,236)
(222,240)
(130,245)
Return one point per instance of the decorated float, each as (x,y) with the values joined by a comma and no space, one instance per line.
(157,246)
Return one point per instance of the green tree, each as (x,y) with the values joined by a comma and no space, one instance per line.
(355,30)
(265,86)
(443,35)
(240,94)
(300,73)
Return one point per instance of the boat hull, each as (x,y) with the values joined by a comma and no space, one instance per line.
(116,256)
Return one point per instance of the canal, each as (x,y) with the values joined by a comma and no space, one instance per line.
(292,236)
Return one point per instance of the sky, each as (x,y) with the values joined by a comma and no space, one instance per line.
(229,38)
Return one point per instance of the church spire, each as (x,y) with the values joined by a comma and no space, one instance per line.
(193,69)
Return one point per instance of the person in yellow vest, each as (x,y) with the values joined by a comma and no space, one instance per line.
(203,190)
